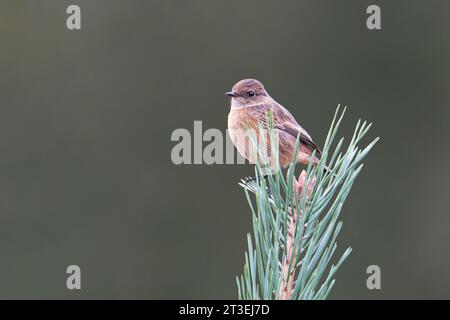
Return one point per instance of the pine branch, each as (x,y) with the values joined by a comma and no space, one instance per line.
(295,227)
(287,273)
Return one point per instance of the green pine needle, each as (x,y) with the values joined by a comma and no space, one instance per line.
(317,227)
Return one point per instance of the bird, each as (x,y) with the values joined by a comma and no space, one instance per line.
(250,104)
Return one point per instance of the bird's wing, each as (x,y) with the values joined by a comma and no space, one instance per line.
(285,121)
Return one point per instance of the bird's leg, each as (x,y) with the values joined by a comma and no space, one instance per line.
(268,191)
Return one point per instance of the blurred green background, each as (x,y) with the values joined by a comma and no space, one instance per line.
(86,117)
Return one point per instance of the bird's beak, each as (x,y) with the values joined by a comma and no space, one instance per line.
(231,94)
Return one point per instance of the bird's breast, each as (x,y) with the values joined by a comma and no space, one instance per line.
(239,121)
(242,119)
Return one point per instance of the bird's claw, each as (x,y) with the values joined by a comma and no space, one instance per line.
(249,179)
(268,191)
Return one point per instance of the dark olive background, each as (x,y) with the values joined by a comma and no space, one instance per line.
(86,116)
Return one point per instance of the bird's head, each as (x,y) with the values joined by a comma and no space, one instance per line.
(247,92)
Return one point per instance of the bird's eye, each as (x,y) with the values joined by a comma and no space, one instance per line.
(251,93)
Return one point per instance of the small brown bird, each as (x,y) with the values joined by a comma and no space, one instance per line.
(249,104)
